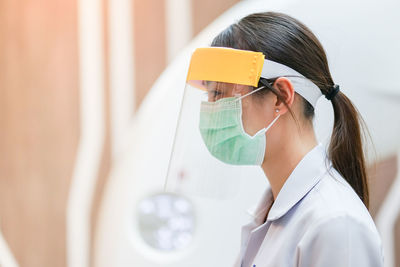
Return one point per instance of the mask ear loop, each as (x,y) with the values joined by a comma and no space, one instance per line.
(252,92)
(264,130)
(272,123)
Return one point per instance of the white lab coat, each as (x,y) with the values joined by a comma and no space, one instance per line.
(317,219)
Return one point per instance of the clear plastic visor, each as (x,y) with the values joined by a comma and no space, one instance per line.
(207,157)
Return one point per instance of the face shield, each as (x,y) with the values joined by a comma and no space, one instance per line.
(212,150)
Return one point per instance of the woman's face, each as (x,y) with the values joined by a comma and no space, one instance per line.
(257,111)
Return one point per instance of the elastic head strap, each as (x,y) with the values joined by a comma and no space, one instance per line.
(303,86)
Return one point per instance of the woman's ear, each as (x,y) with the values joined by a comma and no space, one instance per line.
(285,88)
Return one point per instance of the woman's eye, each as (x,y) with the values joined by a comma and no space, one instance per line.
(215,93)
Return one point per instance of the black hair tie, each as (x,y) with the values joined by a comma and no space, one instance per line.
(332,92)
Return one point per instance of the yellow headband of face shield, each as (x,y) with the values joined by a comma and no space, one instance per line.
(225,65)
(228,65)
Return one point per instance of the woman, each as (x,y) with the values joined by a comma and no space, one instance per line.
(263,77)
(316,213)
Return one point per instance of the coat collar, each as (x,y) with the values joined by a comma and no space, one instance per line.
(304,177)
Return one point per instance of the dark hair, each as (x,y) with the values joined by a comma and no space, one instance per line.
(286,40)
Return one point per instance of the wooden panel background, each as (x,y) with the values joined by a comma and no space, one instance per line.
(39,125)
(205,11)
(150,44)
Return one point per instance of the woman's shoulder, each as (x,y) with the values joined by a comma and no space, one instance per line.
(338,225)
(333,199)
(340,240)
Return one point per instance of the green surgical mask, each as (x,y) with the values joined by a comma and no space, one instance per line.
(222,131)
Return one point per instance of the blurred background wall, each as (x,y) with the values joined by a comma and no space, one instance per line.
(40,109)
(39,123)
(41,103)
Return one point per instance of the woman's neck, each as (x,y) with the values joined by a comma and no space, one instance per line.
(280,161)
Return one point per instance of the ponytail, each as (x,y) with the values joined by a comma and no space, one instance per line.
(346,148)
